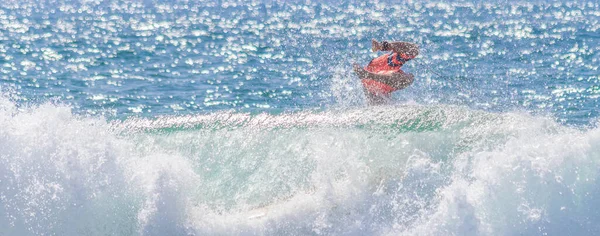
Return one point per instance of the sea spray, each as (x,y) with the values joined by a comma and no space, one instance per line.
(70,175)
(412,170)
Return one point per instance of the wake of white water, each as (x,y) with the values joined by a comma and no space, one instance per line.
(68,175)
(405,170)
(543,180)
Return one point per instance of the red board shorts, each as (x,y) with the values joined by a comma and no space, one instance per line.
(376,87)
(384,64)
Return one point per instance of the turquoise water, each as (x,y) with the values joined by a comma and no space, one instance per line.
(244,118)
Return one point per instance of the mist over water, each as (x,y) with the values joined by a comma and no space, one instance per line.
(244,118)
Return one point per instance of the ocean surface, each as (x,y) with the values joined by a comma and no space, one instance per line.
(244,118)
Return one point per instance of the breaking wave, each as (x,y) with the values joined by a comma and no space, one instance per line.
(390,170)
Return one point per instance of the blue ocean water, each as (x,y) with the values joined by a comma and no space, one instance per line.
(244,117)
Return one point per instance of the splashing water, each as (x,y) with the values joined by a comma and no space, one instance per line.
(388,170)
(244,118)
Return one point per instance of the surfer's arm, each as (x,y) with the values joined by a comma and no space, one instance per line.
(396,80)
(409,49)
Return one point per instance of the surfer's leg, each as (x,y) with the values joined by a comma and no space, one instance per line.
(375,99)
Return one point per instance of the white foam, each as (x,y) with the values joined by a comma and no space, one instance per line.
(71,175)
(395,170)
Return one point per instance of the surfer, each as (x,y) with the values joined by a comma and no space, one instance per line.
(383,75)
